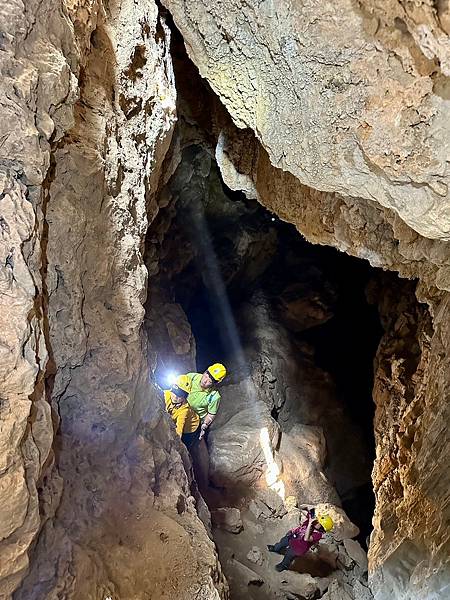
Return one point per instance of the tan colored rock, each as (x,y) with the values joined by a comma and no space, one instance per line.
(336,591)
(228,519)
(244,575)
(361,592)
(299,584)
(88,110)
(255,556)
(352,225)
(377,234)
(235,443)
(412,448)
(343,527)
(329,101)
(302,451)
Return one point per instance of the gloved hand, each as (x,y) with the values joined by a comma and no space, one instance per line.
(203,429)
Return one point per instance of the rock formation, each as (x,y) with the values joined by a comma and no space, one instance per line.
(332,116)
(88,101)
(349,112)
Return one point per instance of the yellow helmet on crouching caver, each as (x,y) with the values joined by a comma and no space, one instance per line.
(182,386)
(326,521)
(217,372)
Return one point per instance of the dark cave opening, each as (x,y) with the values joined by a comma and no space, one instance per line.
(218,251)
(235,250)
(344,345)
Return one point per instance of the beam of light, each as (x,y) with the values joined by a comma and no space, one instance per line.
(273,475)
(213,280)
(214,283)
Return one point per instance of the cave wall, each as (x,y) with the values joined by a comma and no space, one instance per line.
(101,485)
(88,105)
(410,548)
(347,96)
(409,556)
(337,125)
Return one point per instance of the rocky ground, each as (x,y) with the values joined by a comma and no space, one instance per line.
(335,570)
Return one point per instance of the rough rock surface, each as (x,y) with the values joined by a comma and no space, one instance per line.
(339,97)
(236,452)
(349,105)
(349,144)
(228,519)
(412,451)
(367,231)
(88,106)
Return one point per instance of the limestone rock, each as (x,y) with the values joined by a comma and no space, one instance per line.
(414,440)
(300,392)
(300,585)
(356,553)
(259,509)
(228,519)
(361,592)
(246,576)
(343,527)
(300,309)
(336,591)
(88,111)
(255,556)
(290,503)
(302,450)
(268,505)
(343,559)
(370,154)
(329,553)
(235,446)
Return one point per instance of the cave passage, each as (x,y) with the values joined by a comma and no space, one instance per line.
(228,252)
(230,282)
(331,287)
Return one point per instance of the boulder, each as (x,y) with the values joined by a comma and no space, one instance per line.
(300,585)
(237,452)
(336,591)
(244,574)
(290,503)
(361,592)
(228,519)
(356,553)
(328,553)
(344,559)
(343,527)
(303,451)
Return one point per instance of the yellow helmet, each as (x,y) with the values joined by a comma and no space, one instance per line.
(217,372)
(181,387)
(326,521)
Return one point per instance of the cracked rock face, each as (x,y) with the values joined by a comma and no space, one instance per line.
(339,124)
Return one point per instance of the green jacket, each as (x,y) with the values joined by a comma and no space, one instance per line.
(203,402)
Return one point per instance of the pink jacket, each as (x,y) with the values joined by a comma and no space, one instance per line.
(297,539)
